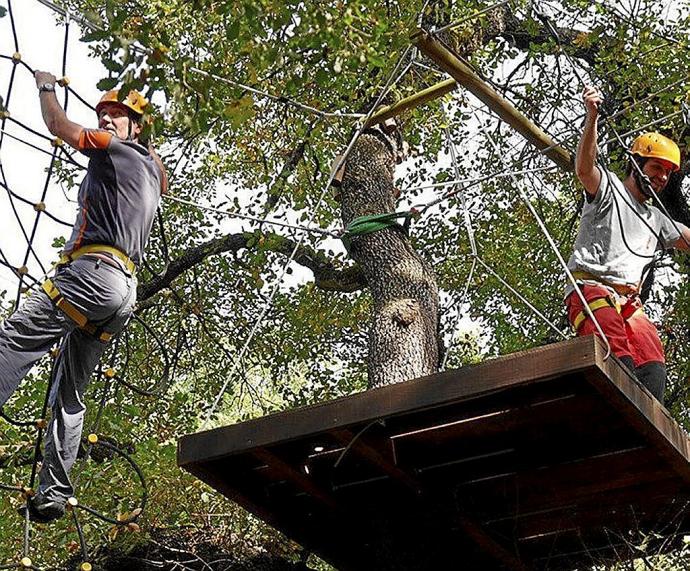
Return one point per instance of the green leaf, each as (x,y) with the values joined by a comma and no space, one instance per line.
(233,30)
(107,83)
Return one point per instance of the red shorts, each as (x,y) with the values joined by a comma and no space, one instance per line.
(630,333)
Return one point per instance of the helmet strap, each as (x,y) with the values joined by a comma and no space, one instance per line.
(641,179)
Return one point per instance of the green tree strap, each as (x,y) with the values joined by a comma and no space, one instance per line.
(363,225)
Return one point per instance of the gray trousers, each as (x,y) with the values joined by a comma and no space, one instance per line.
(106,296)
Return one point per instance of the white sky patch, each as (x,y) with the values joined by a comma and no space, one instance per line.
(41,41)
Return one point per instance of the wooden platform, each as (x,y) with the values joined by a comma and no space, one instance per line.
(547,459)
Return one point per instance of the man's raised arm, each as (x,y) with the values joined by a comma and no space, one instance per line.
(54,115)
(586,158)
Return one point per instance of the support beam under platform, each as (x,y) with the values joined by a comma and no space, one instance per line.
(544,459)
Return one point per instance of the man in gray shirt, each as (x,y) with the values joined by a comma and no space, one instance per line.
(619,235)
(92,294)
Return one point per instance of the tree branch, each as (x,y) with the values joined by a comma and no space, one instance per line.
(326,275)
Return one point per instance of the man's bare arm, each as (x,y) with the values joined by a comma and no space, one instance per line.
(586,159)
(54,115)
(683,243)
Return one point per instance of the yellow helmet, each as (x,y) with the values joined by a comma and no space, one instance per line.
(656,146)
(134,101)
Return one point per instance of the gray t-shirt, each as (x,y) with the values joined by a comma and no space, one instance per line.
(118,196)
(618,235)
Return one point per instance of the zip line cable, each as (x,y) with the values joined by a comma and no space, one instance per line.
(234,214)
(522,298)
(554,247)
(277,98)
(394,77)
(473,245)
(456,189)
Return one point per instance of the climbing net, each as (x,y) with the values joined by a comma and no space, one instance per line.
(112,459)
(32,266)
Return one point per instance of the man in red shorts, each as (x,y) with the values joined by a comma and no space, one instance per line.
(620,233)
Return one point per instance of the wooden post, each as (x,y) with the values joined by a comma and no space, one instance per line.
(504,109)
(428,94)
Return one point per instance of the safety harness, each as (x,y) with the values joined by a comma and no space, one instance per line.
(632,307)
(70,310)
(98,249)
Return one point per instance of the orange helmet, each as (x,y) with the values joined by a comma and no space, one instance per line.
(656,146)
(134,101)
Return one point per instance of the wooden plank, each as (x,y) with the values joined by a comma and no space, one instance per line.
(462,73)
(373,456)
(514,442)
(643,412)
(558,414)
(615,515)
(481,538)
(668,490)
(567,484)
(521,368)
(538,448)
(297,478)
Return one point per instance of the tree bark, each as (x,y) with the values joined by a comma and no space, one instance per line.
(403,335)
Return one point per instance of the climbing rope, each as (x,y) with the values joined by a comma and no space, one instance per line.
(40,424)
(394,77)
(361,226)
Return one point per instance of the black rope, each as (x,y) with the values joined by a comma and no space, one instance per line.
(16,214)
(32,131)
(14,27)
(142,480)
(26,201)
(161,384)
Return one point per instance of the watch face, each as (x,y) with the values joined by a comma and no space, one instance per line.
(47,87)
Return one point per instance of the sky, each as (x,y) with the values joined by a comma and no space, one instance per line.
(41,40)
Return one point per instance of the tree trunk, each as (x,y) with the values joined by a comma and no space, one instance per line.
(403,336)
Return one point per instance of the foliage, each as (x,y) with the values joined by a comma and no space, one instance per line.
(234,149)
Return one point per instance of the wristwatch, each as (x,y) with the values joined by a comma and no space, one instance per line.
(46,87)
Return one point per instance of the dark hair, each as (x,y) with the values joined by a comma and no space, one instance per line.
(134,116)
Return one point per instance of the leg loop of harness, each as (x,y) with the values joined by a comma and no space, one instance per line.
(73,313)
(594,305)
